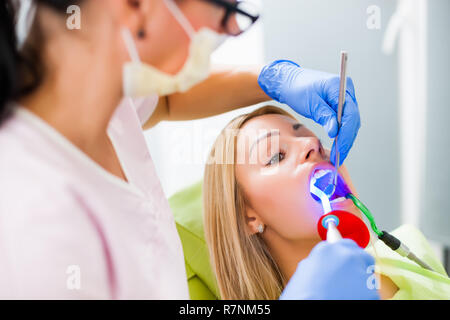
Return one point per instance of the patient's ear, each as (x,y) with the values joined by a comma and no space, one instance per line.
(132,14)
(253,221)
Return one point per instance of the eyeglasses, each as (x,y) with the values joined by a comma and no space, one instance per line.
(239,16)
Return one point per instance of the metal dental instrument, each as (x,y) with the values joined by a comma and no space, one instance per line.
(342,90)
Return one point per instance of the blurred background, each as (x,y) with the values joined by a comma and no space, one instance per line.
(399,61)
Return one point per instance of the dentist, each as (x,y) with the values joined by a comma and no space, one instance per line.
(82,212)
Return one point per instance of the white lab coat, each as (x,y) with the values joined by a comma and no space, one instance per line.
(70,229)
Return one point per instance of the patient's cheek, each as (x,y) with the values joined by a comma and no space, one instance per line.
(282,204)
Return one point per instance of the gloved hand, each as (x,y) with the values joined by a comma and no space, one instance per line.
(314,95)
(333,271)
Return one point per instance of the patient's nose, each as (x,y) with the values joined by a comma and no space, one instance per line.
(310,150)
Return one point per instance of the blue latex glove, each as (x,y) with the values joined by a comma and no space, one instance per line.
(314,95)
(333,272)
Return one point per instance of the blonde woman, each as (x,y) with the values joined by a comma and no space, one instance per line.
(260,219)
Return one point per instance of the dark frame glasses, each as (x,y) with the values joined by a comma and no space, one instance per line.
(232,8)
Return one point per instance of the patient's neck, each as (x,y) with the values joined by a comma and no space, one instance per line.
(287,253)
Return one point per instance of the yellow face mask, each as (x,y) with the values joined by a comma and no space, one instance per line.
(141,79)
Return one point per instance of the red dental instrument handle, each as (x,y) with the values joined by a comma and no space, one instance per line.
(348,225)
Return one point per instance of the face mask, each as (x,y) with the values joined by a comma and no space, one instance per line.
(140,79)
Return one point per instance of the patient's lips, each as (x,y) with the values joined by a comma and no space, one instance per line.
(321,176)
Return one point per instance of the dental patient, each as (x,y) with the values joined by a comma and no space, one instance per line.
(261,220)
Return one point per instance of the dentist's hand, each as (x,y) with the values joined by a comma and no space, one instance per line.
(333,271)
(314,95)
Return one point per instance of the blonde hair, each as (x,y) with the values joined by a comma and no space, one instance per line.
(242,262)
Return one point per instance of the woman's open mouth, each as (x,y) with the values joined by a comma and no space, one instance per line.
(322,178)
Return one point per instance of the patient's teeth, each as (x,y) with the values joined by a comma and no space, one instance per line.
(320,173)
(338,200)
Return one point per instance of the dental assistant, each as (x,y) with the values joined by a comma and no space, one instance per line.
(82,212)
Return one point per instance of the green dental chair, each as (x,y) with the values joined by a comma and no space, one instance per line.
(187,209)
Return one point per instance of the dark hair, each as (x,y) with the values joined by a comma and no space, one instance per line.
(21,71)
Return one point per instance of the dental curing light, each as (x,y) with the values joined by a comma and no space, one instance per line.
(338,224)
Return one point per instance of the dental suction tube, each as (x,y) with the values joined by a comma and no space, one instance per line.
(397,246)
(388,239)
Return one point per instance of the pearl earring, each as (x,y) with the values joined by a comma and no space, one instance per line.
(261,228)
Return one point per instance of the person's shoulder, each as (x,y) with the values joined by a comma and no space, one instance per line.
(413,281)
(25,178)
(32,188)
(35,183)
(44,223)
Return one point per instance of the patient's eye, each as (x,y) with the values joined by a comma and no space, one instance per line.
(276,159)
